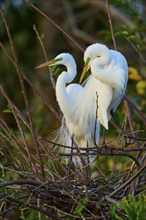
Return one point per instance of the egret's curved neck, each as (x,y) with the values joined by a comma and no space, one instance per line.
(71,70)
(63,97)
(100,67)
(104,58)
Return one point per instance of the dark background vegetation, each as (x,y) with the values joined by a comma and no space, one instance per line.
(86,21)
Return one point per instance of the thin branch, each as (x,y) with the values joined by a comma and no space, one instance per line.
(128,181)
(103,154)
(45,55)
(36,91)
(73,25)
(20,182)
(131,124)
(94,148)
(21,202)
(11,140)
(55,24)
(110,23)
(23,92)
(135,48)
(136,108)
(19,127)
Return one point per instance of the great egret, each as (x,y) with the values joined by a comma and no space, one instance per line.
(110,71)
(77,105)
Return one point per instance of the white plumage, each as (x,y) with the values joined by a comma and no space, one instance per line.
(110,71)
(77,105)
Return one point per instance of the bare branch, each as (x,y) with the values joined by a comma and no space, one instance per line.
(36,91)
(128,181)
(56,25)
(45,55)
(110,23)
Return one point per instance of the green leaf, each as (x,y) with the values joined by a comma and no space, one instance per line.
(42,36)
(125,33)
(80,206)
(139,47)
(131,37)
(8,110)
(114,215)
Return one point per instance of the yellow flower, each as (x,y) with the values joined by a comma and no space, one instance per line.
(141,87)
(134,74)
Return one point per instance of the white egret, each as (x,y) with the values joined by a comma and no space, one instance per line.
(76,105)
(110,71)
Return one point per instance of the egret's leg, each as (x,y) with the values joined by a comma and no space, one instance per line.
(70,159)
(103,136)
(103,141)
(130,138)
(88,163)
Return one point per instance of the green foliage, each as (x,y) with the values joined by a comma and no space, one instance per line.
(7,110)
(113,211)
(81,205)
(27,214)
(56,70)
(134,209)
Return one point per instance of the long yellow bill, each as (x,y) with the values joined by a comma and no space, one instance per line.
(85,69)
(48,63)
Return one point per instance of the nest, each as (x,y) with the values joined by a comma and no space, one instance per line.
(70,199)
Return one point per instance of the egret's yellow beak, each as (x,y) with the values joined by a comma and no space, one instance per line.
(85,69)
(48,63)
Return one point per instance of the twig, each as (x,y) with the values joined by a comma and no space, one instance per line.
(135,107)
(135,48)
(72,24)
(36,91)
(102,154)
(45,55)
(131,124)
(125,149)
(20,128)
(13,141)
(24,94)
(94,148)
(128,181)
(65,146)
(21,202)
(20,182)
(55,24)
(110,23)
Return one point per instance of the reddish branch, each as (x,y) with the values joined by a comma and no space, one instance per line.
(45,55)
(25,99)
(111,26)
(56,25)
(36,91)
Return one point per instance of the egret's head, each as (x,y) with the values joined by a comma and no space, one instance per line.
(61,59)
(96,51)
